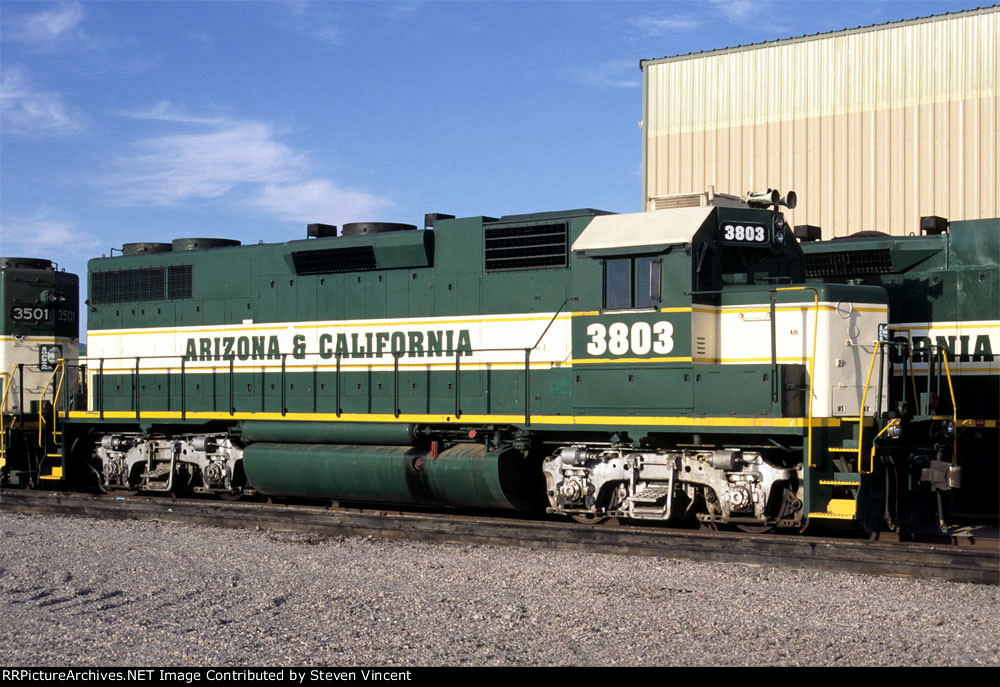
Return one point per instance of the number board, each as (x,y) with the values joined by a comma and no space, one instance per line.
(38,314)
(744,234)
(30,313)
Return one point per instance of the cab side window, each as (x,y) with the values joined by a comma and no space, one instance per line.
(631,283)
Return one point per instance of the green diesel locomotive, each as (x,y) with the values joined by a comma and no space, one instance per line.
(663,366)
(944,303)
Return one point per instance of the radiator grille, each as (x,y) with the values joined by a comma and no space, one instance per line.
(141,284)
(849,263)
(179,282)
(333,260)
(122,286)
(523,248)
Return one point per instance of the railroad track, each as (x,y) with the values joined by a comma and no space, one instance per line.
(977,564)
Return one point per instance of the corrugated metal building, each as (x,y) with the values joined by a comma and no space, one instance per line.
(873,127)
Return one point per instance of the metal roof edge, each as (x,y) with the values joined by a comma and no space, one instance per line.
(818,36)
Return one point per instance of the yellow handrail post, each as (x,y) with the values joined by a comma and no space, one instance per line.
(60,365)
(861,414)
(3,406)
(41,415)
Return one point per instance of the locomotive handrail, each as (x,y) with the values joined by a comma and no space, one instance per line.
(861,413)
(41,415)
(55,400)
(9,383)
(9,379)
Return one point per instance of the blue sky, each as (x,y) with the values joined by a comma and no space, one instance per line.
(149,121)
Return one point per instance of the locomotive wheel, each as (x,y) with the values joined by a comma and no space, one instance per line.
(755,529)
(231,496)
(588,519)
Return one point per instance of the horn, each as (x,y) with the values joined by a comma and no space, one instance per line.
(790,200)
(762,200)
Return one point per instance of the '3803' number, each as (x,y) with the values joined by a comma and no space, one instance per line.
(640,338)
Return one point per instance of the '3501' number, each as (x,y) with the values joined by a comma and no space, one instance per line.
(640,338)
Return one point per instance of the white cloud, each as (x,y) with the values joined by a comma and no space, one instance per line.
(165,111)
(42,233)
(242,161)
(169,168)
(44,31)
(317,200)
(315,19)
(660,25)
(742,11)
(27,111)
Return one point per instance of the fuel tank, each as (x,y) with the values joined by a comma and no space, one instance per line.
(465,475)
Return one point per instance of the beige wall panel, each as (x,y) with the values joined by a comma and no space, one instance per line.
(857,162)
(872,128)
(942,160)
(958,153)
(970,125)
(883,160)
(989,121)
(878,170)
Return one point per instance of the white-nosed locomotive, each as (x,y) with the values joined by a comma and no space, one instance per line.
(664,366)
(39,329)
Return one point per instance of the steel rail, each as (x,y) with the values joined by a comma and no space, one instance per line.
(980,564)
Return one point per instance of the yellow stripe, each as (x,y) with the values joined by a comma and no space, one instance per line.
(730,310)
(40,339)
(412,323)
(830,516)
(343,324)
(588,361)
(790,423)
(947,326)
(198,367)
(987,424)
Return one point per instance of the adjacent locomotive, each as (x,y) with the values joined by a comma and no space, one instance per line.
(944,298)
(39,329)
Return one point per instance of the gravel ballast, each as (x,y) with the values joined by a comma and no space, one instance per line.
(81,592)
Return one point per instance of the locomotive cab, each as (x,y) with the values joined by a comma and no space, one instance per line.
(756,383)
